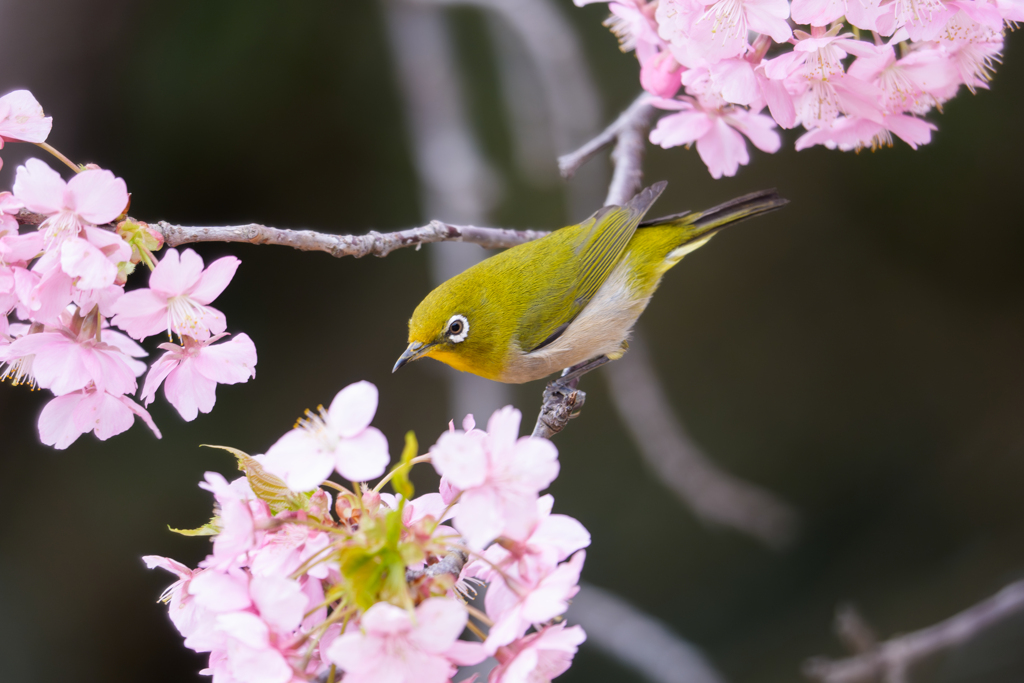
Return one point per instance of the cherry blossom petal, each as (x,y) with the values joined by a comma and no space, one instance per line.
(141,313)
(769,17)
(256,664)
(220,592)
(480,517)
(364,456)
(39,187)
(97,196)
(297,458)
(910,129)
(103,414)
(91,267)
(231,362)
(25,121)
(535,462)
(176,273)
(722,150)
(439,623)
(280,601)
(353,408)
(214,279)
(56,426)
(758,128)
(189,392)
(245,627)
(460,459)
(681,129)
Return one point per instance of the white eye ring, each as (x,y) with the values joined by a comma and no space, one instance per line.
(461,331)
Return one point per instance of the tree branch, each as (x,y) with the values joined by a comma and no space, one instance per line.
(452,563)
(371,244)
(891,660)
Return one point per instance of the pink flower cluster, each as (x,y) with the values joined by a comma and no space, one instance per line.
(848,89)
(292,592)
(63,285)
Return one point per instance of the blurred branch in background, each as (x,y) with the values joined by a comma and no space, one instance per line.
(713,494)
(637,115)
(560,69)
(456,181)
(890,661)
(638,640)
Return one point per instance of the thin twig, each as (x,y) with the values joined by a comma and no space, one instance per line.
(452,563)
(371,244)
(891,660)
(635,119)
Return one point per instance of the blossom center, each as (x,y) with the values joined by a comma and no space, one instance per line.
(185,316)
(60,227)
(316,425)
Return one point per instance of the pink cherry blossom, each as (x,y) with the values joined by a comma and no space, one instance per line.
(67,417)
(393,647)
(552,539)
(861,14)
(66,362)
(22,119)
(238,518)
(82,255)
(717,133)
(9,207)
(720,30)
(660,75)
(632,22)
(90,198)
(193,371)
(854,133)
(538,657)
(339,438)
(177,299)
(514,610)
(499,475)
(192,621)
(915,84)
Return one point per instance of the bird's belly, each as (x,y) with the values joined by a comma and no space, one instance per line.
(599,330)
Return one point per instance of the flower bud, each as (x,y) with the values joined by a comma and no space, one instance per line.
(661,75)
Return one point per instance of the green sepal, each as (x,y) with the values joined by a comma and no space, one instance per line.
(400,481)
(375,570)
(268,487)
(208,529)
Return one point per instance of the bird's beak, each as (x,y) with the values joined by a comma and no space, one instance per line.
(415,351)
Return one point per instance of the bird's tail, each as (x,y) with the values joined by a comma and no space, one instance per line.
(698,228)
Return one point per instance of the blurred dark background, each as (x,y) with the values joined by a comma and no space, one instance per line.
(858,353)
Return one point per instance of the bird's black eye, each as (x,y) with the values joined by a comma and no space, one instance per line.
(457,329)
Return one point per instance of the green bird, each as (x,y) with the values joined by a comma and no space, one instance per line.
(566,298)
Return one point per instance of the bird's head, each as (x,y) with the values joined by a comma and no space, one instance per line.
(461,324)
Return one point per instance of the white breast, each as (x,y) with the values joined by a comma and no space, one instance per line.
(598,330)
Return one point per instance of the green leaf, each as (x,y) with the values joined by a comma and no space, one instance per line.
(267,487)
(208,529)
(400,481)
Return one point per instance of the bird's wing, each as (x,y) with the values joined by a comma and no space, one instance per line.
(596,249)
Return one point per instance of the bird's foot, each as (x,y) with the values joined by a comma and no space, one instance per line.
(562,400)
(561,404)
